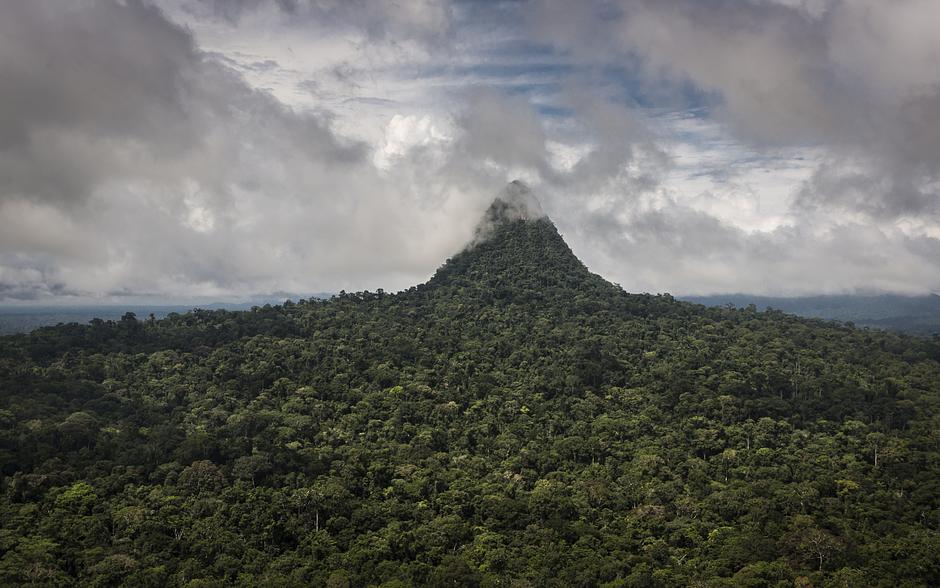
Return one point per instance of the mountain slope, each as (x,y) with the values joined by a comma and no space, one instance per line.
(515,421)
(527,254)
(516,248)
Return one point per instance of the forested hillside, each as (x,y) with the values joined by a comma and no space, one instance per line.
(516,421)
(917,315)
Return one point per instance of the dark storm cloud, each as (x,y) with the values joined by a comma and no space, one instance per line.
(96,89)
(34,291)
(71,95)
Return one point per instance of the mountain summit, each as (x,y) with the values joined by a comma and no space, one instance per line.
(515,202)
(516,249)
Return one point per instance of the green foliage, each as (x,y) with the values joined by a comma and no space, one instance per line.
(516,421)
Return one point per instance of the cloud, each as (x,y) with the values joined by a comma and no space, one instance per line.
(424,19)
(677,249)
(193,148)
(860,77)
(75,99)
(137,163)
(502,129)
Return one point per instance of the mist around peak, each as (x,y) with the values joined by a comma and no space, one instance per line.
(515,202)
(518,202)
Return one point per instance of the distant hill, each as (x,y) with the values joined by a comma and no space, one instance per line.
(918,315)
(515,421)
(23,318)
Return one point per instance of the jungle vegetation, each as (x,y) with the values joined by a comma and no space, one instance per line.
(515,421)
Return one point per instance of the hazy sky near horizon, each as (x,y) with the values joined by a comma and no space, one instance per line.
(185,150)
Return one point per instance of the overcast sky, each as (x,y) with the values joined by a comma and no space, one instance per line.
(187,150)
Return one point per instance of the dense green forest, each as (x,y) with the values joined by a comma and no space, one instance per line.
(917,315)
(516,421)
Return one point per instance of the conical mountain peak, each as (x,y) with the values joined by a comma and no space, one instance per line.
(516,248)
